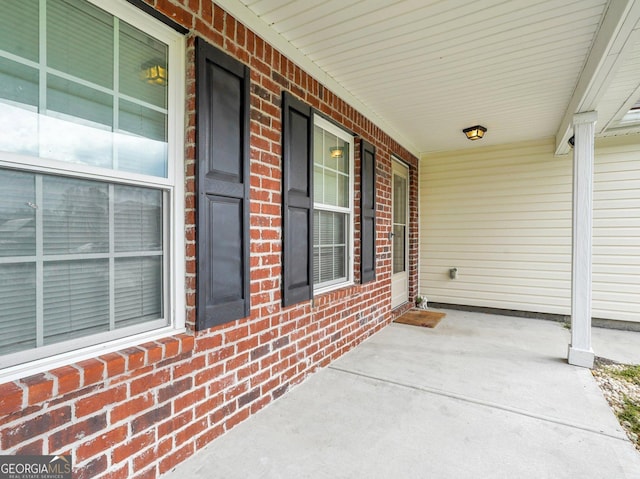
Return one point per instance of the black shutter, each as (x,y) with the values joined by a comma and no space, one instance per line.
(297,208)
(222,171)
(367,212)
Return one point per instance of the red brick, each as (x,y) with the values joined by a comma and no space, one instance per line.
(187,343)
(92,469)
(131,408)
(144,459)
(150,418)
(35,448)
(209,405)
(209,435)
(120,473)
(189,367)
(189,399)
(175,422)
(100,444)
(148,474)
(76,430)
(190,432)
(237,334)
(236,419)
(92,371)
(131,448)
(175,388)
(171,345)
(35,426)
(176,458)
(10,398)
(208,374)
(135,358)
(39,388)
(149,381)
(68,379)
(115,364)
(95,402)
(180,15)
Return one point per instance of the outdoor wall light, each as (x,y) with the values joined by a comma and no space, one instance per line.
(475,132)
(572,141)
(154,72)
(336,152)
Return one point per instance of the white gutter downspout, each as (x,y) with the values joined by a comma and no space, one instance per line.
(580,350)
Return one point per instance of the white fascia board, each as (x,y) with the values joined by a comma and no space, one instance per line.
(613,38)
(243,14)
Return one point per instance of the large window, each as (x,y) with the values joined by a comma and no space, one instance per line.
(333,205)
(91,195)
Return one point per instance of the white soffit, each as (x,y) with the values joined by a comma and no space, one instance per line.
(423,69)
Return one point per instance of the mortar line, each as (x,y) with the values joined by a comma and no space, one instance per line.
(488,404)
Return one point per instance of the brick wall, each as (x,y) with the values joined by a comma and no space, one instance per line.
(140,411)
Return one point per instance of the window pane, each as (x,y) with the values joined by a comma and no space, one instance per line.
(78,124)
(76,216)
(17,214)
(399,253)
(343,159)
(399,193)
(339,262)
(318,184)
(18,108)
(144,149)
(18,83)
(18,311)
(138,219)
(342,195)
(138,290)
(139,51)
(19,28)
(330,188)
(80,41)
(330,243)
(325,269)
(76,299)
(316,265)
(331,169)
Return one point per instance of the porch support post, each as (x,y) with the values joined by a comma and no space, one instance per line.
(580,351)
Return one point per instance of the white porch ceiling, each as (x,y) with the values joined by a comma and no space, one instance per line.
(426,69)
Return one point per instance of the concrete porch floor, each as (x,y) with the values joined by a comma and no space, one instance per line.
(480,396)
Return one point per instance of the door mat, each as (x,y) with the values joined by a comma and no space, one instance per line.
(420,317)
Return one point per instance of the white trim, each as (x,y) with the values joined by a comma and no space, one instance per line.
(47,364)
(396,164)
(349,249)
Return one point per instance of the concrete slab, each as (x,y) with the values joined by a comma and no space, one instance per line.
(480,396)
(620,346)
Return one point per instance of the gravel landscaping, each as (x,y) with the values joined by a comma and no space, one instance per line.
(620,384)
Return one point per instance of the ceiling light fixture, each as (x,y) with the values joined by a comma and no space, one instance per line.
(475,132)
(154,72)
(336,152)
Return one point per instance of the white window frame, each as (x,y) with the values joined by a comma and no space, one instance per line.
(347,137)
(172,186)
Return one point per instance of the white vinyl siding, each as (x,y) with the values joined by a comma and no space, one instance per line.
(616,229)
(502,216)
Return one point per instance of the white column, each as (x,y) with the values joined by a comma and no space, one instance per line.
(580,351)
